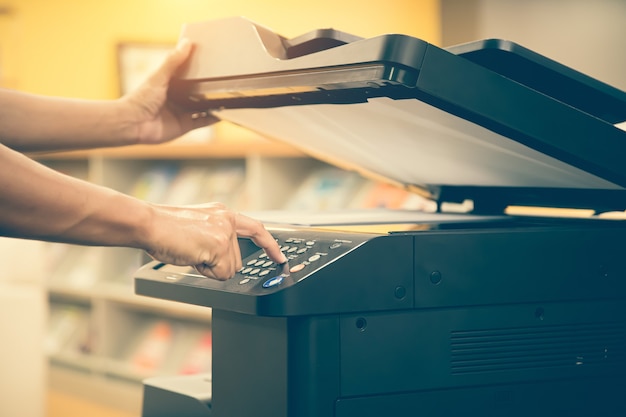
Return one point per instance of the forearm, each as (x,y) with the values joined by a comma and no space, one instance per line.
(39,203)
(30,123)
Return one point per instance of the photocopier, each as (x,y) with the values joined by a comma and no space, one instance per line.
(489,312)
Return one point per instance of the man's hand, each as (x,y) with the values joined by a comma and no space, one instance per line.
(157,119)
(205,237)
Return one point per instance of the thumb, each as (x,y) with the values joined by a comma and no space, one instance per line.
(179,55)
(172,62)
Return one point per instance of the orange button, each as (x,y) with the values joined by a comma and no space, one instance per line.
(297,268)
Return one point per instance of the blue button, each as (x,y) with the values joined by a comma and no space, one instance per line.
(273,281)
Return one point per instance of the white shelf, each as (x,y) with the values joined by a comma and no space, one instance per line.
(98,388)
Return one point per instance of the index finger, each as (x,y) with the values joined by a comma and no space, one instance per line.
(254,229)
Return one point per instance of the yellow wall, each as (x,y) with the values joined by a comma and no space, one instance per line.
(68,47)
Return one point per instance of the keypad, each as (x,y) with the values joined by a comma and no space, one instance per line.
(261,266)
(299,252)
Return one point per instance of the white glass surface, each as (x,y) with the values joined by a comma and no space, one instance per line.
(413,143)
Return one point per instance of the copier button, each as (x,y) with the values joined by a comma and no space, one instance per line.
(314,258)
(272,282)
(246,270)
(264,272)
(255,271)
(252,262)
(335,245)
(267,263)
(297,268)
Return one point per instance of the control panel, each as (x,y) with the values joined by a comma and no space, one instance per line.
(305,251)
(304,255)
(318,261)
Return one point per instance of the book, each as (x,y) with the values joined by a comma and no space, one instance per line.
(327,188)
(153,346)
(200,357)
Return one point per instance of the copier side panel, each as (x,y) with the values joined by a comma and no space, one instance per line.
(520,265)
(570,398)
(516,320)
(527,359)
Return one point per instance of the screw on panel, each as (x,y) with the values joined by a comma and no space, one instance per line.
(435,277)
(361,324)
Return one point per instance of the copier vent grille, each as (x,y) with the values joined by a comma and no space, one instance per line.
(557,346)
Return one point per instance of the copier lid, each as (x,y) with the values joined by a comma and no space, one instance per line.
(458,123)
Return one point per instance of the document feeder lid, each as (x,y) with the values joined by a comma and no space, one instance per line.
(489,121)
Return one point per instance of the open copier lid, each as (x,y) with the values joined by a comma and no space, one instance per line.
(488,121)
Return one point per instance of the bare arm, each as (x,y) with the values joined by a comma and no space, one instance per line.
(37,123)
(31,122)
(39,203)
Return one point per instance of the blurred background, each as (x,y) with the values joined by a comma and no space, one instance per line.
(589,36)
(69,47)
(75,341)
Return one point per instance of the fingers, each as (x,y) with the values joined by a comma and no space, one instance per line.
(218,272)
(253,229)
(205,237)
(226,265)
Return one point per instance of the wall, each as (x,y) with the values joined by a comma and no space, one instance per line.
(68,47)
(589,36)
